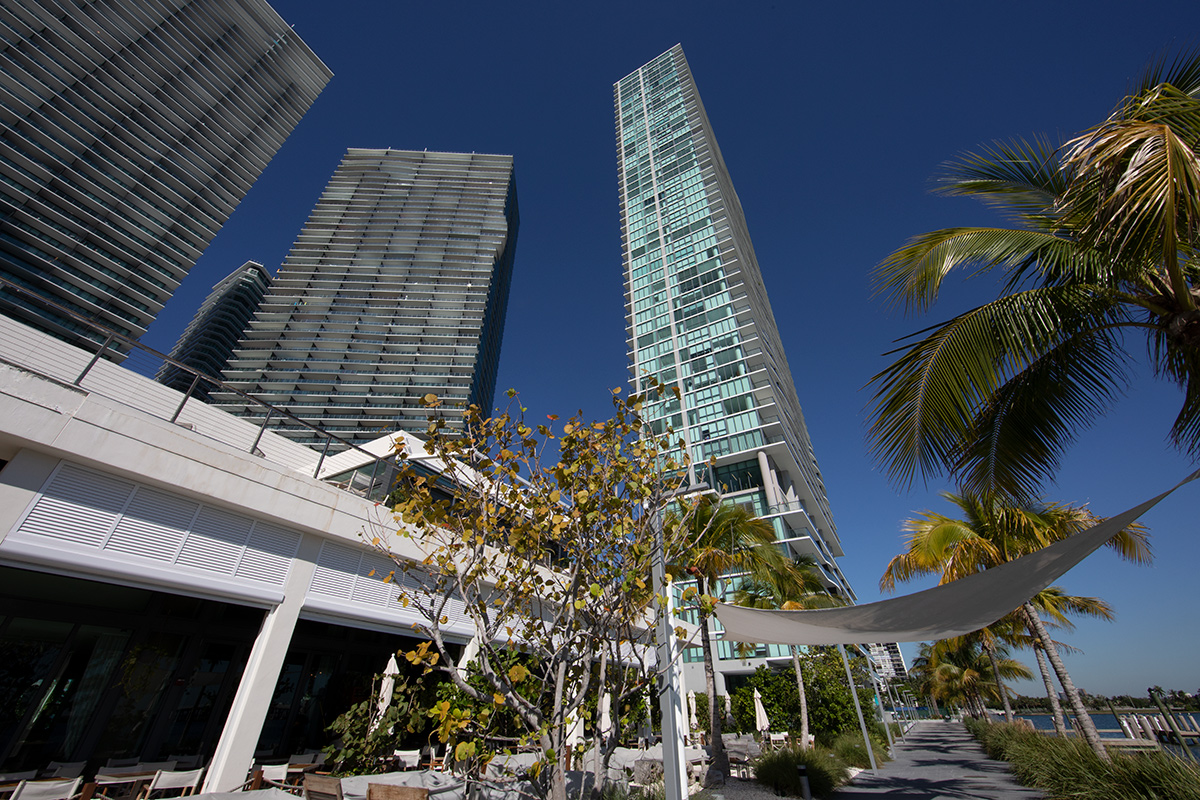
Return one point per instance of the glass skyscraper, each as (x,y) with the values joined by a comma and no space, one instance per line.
(396,288)
(208,341)
(698,317)
(129,131)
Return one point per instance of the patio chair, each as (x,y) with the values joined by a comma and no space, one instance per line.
(185,782)
(121,763)
(387,791)
(322,787)
(13,777)
(266,775)
(62,789)
(187,762)
(407,759)
(153,766)
(430,757)
(64,769)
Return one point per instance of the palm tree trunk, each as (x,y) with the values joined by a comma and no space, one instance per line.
(1085,720)
(720,759)
(1060,722)
(803,698)
(990,646)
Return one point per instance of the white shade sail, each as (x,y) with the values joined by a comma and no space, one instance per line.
(952,609)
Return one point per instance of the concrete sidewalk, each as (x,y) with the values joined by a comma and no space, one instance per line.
(938,760)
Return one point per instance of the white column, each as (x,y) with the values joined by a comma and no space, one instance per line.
(768,479)
(243,726)
(670,676)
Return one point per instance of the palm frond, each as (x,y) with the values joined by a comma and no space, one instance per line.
(927,402)
(1020,178)
(912,276)
(1020,434)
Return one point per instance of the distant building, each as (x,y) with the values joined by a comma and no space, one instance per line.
(888,661)
(698,317)
(396,288)
(129,131)
(209,339)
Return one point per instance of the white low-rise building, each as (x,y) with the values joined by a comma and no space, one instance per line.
(173,580)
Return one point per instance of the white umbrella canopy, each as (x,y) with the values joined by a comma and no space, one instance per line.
(761,723)
(692,724)
(387,688)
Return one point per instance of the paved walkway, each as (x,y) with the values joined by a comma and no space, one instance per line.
(938,760)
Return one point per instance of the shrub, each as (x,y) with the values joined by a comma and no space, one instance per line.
(1069,768)
(777,769)
(849,747)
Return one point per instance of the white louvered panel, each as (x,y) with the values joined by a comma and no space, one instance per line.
(269,553)
(216,541)
(153,526)
(78,506)
(370,586)
(336,569)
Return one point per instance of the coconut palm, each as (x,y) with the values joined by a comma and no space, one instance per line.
(798,587)
(921,673)
(1106,247)
(991,533)
(710,540)
(965,673)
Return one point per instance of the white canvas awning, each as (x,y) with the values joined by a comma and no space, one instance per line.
(952,609)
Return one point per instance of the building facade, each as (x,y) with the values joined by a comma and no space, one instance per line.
(396,288)
(888,661)
(208,341)
(698,317)
(129,131)
(176,582)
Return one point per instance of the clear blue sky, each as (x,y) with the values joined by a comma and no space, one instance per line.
(832,118)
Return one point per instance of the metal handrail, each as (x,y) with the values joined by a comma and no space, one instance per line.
(113,336)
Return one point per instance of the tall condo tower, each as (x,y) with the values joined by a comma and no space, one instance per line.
(209,339)
(129,131)
(396,288)
(698,317)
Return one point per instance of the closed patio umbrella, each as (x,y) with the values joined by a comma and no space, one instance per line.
(761,722)
(387,688)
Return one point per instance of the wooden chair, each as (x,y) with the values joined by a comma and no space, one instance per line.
(47,790)
(65,769)
(322,787)
(186,782)
(387,791)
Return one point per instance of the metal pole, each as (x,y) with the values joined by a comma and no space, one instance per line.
(186,395)
(95,358)
(862,723)
(262,428)
(887,723)
(670,672)
(321,460)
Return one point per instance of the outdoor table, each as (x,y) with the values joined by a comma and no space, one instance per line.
(441,785)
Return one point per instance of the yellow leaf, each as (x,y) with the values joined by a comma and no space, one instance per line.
(498,699)
(517,673)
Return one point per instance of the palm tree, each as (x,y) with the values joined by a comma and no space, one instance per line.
(992,533)
(798,587)
(713,540)
(1107,244)
(921,672)
(964,671)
